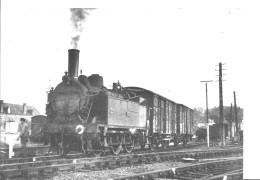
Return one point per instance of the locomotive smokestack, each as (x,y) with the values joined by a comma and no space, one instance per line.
(73,66)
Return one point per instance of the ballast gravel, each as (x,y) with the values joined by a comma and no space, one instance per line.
(115,173)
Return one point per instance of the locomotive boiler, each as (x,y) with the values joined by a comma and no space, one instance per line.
(85,116)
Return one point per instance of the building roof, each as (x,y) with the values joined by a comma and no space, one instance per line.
(17,109)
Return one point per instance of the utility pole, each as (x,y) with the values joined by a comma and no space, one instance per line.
(231,119)
(207,111)
(235,106)
(0,126)
(221,115)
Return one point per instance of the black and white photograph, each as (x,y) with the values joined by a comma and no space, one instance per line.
(129,92)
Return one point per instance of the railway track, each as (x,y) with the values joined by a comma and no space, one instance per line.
(46,166)
(31,150)
(221,169)
(37,153)
(40,153)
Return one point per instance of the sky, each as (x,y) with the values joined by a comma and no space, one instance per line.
(167,50)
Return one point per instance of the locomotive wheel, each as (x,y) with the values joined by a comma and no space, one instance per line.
(97,153)
(116,149)
(55,144)
(97,149)
(129,149)
(83,145)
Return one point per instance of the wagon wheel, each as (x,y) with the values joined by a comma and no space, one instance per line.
(142,146)
(157,144)
(175,139)
(129,149)
(151,145)
(164,144)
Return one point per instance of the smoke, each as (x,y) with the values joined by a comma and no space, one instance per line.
(78,17)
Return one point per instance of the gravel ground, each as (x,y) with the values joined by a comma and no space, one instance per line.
(123,171)
(119,172)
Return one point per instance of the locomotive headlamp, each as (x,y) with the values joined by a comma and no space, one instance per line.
(79,129)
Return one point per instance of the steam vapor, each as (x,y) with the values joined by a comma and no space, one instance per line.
(78,17)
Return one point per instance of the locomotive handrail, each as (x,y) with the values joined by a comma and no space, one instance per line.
(89,110)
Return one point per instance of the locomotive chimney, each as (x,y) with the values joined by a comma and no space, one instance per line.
(73,66)
(115,87)
(24,108)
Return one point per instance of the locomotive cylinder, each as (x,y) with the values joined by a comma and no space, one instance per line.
(73,65)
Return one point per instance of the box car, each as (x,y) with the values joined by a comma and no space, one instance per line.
(168,120)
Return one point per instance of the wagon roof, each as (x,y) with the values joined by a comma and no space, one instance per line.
(139,89)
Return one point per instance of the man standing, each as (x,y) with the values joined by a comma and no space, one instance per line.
(24,133)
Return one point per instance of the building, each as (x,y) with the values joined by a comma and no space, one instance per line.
(10,115)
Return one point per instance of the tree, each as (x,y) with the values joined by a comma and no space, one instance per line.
(214,114)
(198,117)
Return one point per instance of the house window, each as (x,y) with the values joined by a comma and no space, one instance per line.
(7,110)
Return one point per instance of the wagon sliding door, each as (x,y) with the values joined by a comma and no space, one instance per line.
(168,117)
(162,116)
(174,118)
(155,115)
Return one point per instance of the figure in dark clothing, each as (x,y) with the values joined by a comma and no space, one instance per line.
(23,128)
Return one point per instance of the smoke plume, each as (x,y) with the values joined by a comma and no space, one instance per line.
(78,17)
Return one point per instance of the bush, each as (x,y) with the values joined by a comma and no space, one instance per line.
(201,133)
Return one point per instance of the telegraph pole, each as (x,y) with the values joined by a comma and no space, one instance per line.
(235,106)
(231,119)
(207,111)
(221,115)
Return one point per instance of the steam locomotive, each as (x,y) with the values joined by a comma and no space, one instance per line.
(85,116)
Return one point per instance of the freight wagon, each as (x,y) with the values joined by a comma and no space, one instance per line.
(168,120)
